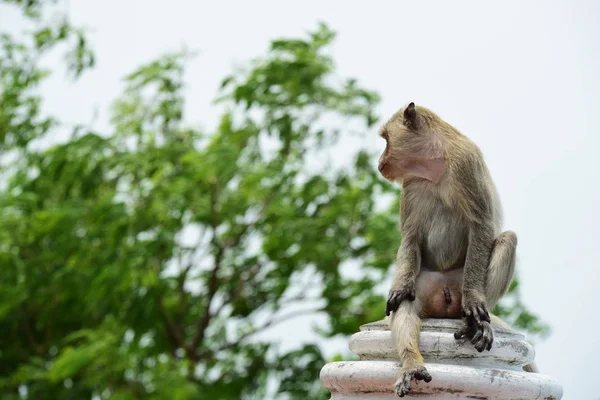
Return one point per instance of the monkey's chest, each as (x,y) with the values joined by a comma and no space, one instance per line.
(444,242)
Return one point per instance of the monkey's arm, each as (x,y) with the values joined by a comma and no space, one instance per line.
(408,258)
(408,263)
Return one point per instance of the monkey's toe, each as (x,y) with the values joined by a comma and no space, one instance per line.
(419,373)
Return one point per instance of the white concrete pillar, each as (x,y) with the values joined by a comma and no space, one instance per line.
(457,369)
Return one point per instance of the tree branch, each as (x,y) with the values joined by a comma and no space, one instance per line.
(237,239)
(174,335)
(213,285)
(182,278)
(213,280)
(173,330)
(30,331)
(181,286)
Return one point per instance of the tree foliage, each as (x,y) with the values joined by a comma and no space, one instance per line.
(142,263)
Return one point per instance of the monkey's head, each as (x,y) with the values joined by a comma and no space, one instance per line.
(414,146)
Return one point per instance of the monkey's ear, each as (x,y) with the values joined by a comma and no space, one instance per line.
(410,116)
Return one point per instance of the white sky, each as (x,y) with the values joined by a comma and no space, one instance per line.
(520,78)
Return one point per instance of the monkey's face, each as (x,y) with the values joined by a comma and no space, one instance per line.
(412,149)
(397,155)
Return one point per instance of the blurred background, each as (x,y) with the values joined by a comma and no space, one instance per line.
(190,202)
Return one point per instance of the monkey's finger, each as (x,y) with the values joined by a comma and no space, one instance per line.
(426,376)
(481,343)
(391,307)
(480,346)
(403,386)
(392,304)
(461,332)
(388,305)
(486,311)
(406,383)
(422,375)
(391,294)
(388,309)
(483,313)
(464,331)
(477,336)
(476,316)
(489,346)
(479,311)
(490,336)
(486,339)
(400,388)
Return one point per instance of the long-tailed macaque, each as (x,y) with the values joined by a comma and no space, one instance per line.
(453,261)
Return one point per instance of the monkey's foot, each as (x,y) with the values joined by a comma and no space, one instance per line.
(417,372)
(395,297)
(481,335)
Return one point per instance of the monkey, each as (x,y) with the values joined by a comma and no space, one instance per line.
(453,260)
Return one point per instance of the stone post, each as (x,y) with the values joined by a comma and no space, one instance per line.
(457,369)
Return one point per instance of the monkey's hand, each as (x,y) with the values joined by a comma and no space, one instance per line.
(475,307)
(396,296)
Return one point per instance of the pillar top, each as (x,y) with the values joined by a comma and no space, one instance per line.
(458,370)
(438,325)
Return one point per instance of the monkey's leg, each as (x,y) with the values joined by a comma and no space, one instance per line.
(499,275)
(405,326)
(502,267)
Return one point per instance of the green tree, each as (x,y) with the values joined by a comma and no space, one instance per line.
(142,263)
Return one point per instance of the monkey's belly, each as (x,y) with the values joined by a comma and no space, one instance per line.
(440,293)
